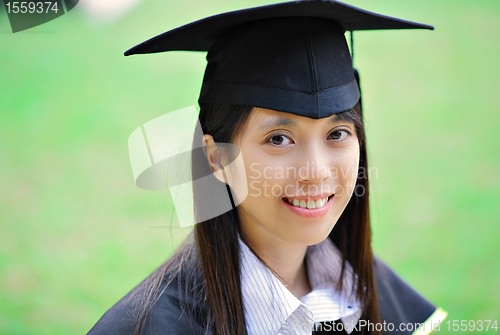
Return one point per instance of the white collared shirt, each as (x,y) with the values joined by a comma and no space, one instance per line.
(270,308)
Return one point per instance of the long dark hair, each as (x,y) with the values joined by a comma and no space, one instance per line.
(207,267)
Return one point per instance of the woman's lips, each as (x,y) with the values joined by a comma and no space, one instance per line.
(310,213)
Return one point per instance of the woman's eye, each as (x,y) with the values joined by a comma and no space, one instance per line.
(279,140)
(338,135)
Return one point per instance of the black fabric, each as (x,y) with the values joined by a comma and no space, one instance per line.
(201,34)
(168,317)
(290,57)
(398,302)
(295,65)
(358,81)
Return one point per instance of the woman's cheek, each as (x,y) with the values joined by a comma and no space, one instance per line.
(237,177)
(349,170)
(254,174)
(254,189)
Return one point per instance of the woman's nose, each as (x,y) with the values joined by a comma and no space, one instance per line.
(313,164)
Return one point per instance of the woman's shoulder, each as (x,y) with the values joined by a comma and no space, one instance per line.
(400,304)
(175,300)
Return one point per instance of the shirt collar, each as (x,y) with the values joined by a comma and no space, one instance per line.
(270,308)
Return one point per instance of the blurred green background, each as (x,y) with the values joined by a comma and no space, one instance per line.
(77,234)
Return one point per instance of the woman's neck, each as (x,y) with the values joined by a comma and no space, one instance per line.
(287,261)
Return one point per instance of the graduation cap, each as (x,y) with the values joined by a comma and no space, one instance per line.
(290,57)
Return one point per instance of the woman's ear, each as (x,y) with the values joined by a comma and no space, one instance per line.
(214,157)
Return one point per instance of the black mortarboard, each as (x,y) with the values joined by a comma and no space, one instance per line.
(291,57)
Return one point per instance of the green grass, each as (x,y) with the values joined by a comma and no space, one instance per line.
(76,234)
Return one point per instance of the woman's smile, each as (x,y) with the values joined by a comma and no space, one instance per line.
(309,202)
(308,207)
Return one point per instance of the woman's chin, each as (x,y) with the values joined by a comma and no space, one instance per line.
(311,234)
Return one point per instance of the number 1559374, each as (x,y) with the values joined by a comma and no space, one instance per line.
(471,325)
(38,7)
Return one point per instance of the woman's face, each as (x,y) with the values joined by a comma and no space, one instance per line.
(300,175)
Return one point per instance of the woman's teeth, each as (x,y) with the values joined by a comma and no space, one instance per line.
(310,204)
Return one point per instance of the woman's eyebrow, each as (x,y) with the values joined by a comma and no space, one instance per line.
(334,118)
(276,122)
(341,117)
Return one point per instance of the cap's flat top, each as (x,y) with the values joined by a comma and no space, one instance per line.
(201,34)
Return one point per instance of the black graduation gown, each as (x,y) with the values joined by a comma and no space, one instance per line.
(399,304)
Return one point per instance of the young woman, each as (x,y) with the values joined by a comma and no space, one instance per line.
(293,253)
